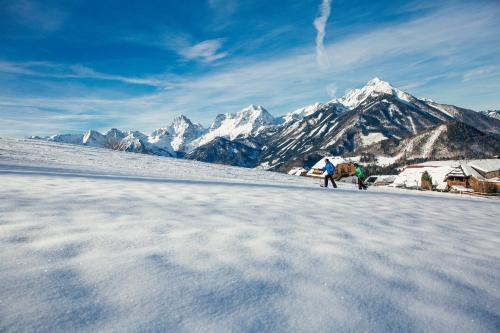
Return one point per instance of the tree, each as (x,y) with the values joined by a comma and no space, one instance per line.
(426,181)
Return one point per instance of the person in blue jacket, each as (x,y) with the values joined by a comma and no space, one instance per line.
(329,168)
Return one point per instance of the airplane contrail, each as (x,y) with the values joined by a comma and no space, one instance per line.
(319,24)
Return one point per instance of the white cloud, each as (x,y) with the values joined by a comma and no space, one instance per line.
(320,24)
(206,51)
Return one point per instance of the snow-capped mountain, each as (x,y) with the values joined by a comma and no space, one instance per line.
(376,118)
(94,139)
(249,122)
(375,113)
(492,113)
(476,119)
(452,140)
(133,142)
(183,132)
(65,138)
(181,136)
(301,113)
(375,87)
(158,143)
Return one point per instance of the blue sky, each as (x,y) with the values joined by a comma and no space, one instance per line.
(67,66)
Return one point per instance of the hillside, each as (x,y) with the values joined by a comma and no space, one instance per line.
(454,140)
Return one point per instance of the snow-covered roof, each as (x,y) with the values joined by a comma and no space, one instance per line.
(472,167)
(490,164)
(385,179)
(334,159)
(439,170)
(486,165)
(457,172)
(411,177)
(435,164)
(469,171)
(297,171)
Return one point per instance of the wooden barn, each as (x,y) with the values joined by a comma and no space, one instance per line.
(343,167)
(458,177)
(488,169)
(483,176)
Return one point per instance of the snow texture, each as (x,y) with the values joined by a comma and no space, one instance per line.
(98,240)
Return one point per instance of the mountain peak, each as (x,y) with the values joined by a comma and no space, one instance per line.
(254,114)
(93,138)
(181,119)
(180,123)
(374,87)
(379,84)
(246,122)
(253,108)
(114,132)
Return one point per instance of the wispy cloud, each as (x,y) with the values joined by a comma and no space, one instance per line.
(37,15)
(320,25)
(53,70)
(480,72)
(206,51)
(80,71)
(331,90)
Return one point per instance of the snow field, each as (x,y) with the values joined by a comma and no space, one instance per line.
(119,248)
(52,157)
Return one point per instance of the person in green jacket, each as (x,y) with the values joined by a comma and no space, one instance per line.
(361,176)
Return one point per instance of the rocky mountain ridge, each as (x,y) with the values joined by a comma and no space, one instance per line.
(377,118)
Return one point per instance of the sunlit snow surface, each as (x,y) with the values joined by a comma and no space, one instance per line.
(93,240)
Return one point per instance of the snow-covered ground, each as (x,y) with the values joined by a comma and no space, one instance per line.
(98,240)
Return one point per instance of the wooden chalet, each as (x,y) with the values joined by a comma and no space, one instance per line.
(483,176)
(343,167)
(458,177)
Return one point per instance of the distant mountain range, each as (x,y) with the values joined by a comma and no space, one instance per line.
(377,122)
(492,113)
